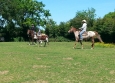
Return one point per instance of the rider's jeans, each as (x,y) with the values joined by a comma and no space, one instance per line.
(80,35)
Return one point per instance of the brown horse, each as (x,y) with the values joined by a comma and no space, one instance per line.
(42,38)
(87,34)
(38,38)
(32,36)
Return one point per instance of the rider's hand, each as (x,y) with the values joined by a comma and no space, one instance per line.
(80,29)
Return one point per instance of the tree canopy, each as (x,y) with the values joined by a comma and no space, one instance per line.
(21,13)
(16,16)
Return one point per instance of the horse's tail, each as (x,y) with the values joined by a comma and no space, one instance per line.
(99,37)
(47,38)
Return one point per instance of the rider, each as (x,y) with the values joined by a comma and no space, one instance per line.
(83,29)
(33,28)
(39,32)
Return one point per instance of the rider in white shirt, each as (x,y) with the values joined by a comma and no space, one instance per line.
(83,29)
(39,32)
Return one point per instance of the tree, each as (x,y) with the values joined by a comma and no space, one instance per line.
(88,15)
(22,13)
(51,28)
(106,27)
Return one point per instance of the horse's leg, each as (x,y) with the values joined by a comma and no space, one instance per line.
(81,44)
(45,43)
(39,43)
(32,41)
(48,43)
(29,41)
(35,41)
(92,46)
(75,43)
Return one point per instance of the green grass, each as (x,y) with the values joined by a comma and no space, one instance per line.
(56,63)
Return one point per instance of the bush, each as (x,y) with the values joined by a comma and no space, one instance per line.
(59,39)
(107,45)
(18,39)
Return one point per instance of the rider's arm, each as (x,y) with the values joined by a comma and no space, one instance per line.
(83,26)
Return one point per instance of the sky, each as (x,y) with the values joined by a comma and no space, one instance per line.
(64,10)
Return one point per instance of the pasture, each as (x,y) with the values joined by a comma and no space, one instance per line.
(56,63)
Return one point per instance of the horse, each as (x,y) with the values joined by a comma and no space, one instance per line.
(42,38)
(32,36)
(85,35)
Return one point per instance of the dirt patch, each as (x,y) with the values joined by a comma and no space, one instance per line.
(3,72)
(112,72)
(68,58)
(42,54)
(38,81)
(40,66)
(38,58)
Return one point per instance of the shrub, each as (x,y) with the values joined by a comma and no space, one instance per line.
(59,39)
(107,45)
(18,39)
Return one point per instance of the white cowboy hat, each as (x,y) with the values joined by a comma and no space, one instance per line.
(83,20)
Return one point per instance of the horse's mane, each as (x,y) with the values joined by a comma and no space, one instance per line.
(30,32)
(76,29)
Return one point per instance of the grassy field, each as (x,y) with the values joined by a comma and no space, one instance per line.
(56,63)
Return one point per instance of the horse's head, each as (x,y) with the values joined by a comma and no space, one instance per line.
(72,29)
(30,33)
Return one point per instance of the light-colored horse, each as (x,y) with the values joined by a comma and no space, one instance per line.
(85,35)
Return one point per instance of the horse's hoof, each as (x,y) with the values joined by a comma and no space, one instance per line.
(92,48)
(73,47)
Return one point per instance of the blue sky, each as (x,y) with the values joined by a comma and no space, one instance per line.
(64,10)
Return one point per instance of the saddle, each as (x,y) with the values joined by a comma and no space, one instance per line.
(85,33)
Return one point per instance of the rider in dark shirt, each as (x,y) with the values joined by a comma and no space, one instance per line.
(32,27)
